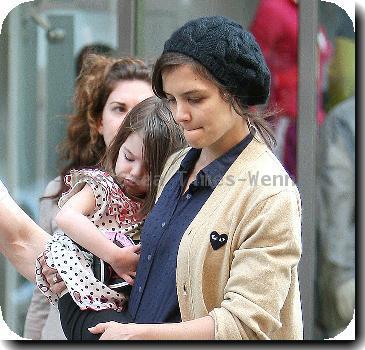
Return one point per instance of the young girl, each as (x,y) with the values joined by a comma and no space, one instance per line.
(104,203)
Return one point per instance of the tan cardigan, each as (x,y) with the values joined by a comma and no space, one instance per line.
(249,285)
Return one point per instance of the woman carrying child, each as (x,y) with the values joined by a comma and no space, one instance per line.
(223,239)
(221,247)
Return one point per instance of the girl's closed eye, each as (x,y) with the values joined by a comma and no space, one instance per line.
(128,158)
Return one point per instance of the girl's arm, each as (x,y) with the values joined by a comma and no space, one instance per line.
(199,329)
(73,220)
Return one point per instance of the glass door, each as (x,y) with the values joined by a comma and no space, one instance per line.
(39,45)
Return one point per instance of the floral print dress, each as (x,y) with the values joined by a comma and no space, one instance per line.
(114,213)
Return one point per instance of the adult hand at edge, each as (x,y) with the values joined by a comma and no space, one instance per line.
(56,284)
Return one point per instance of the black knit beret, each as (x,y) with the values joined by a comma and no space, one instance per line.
(229,52)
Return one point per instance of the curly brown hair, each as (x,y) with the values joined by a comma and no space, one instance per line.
(84,146)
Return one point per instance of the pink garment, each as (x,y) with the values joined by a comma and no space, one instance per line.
(275,28)
(115,214)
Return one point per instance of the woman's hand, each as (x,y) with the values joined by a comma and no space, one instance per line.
(56,284)
(198,329)
(124,261)
(122,331)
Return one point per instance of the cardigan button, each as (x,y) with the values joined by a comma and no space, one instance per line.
(163,224)
(140,289)
(149,257)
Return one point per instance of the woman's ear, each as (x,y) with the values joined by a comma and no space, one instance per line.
(100,126)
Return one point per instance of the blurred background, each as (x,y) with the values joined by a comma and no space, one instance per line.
(41,40)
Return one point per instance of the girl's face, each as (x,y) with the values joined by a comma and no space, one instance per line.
(197,105)
(126,94)
(130,166)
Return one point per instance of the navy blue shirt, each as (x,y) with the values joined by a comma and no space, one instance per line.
(153,298)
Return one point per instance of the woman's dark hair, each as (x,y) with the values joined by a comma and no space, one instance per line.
(97,48)
(161,138)
(257,118)
(84,145)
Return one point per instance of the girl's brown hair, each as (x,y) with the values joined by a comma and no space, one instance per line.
(161,138)
(256,119)
(84,146)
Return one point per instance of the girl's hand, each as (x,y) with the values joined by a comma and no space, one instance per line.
(121,331)
(124,262)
